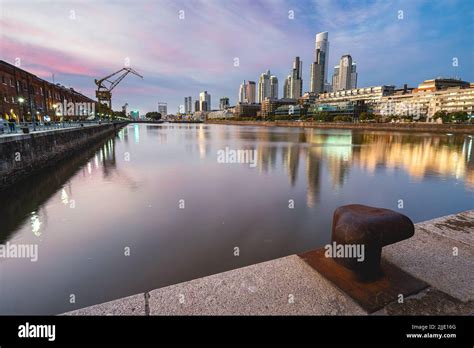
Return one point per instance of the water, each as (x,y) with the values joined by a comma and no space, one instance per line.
(87,212)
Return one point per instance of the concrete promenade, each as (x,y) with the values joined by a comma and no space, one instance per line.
(18,134)
(440,253)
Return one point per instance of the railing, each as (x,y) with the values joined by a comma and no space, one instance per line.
(28,127)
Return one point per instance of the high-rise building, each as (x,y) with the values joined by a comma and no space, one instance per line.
(345,69)
(319,68)
(188,105)
(296,85)
(264,90)
(242,93)
(354,75)
(204,97)
(273,87)
(223,103)
(197,105)
(327,87)
(286,87)
(345,74)
(335,79)
(163,108)
(250,92)
(315,74)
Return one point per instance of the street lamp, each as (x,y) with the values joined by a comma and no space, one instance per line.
(54,106)
(21,100)
(36,117)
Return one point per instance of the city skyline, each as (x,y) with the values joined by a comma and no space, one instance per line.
(419,43)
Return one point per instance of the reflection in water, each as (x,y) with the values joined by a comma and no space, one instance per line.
(420,157)
(291,156)
(25,199)
(136,132)
(124,191)
(35,224)
(313,174)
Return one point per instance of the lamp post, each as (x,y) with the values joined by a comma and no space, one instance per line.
(54,106)
(36,117)
(20,101)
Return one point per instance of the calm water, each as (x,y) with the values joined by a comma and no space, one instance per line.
(125,193)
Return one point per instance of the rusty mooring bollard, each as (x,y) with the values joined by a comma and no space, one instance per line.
(370,229)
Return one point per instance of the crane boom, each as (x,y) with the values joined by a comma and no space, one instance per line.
(105,86)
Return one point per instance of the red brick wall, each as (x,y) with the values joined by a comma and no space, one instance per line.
(39,95)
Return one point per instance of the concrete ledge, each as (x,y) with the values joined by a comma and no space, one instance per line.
(285,286)
(288,286)
(430,254)
(428,302)
(132,305)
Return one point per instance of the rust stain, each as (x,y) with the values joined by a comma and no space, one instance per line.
(373,295)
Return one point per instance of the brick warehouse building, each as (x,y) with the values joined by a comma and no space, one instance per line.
(39,96)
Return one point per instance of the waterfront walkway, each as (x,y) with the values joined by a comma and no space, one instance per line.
(441,253)
(43,127)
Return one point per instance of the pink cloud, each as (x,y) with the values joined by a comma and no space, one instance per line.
(44,61)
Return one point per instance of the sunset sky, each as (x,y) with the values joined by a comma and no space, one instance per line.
(78,41)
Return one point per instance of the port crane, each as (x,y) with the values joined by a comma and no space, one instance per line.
(105,86)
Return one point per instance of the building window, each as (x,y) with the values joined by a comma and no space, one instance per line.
(41,90)
(11,83)
(13,100)
(3,80)
(5,99)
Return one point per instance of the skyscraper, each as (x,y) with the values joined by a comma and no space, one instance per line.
(319,68)
(242,93)
(204,97)
(296,82)
(163,108)
(188,105)
(250,92)
(196,105)
(247,92)
(264,86)
(273,87)
(345,69)
(354,75)
(286,87)
(335,79)
(223,103)
(345,74)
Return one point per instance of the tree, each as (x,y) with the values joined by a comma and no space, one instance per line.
(153,115)
(441,114)
(379,119)
(323,116)
(342,118)
(366,116)
(459,116)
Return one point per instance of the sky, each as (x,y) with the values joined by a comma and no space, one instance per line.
(185,47)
